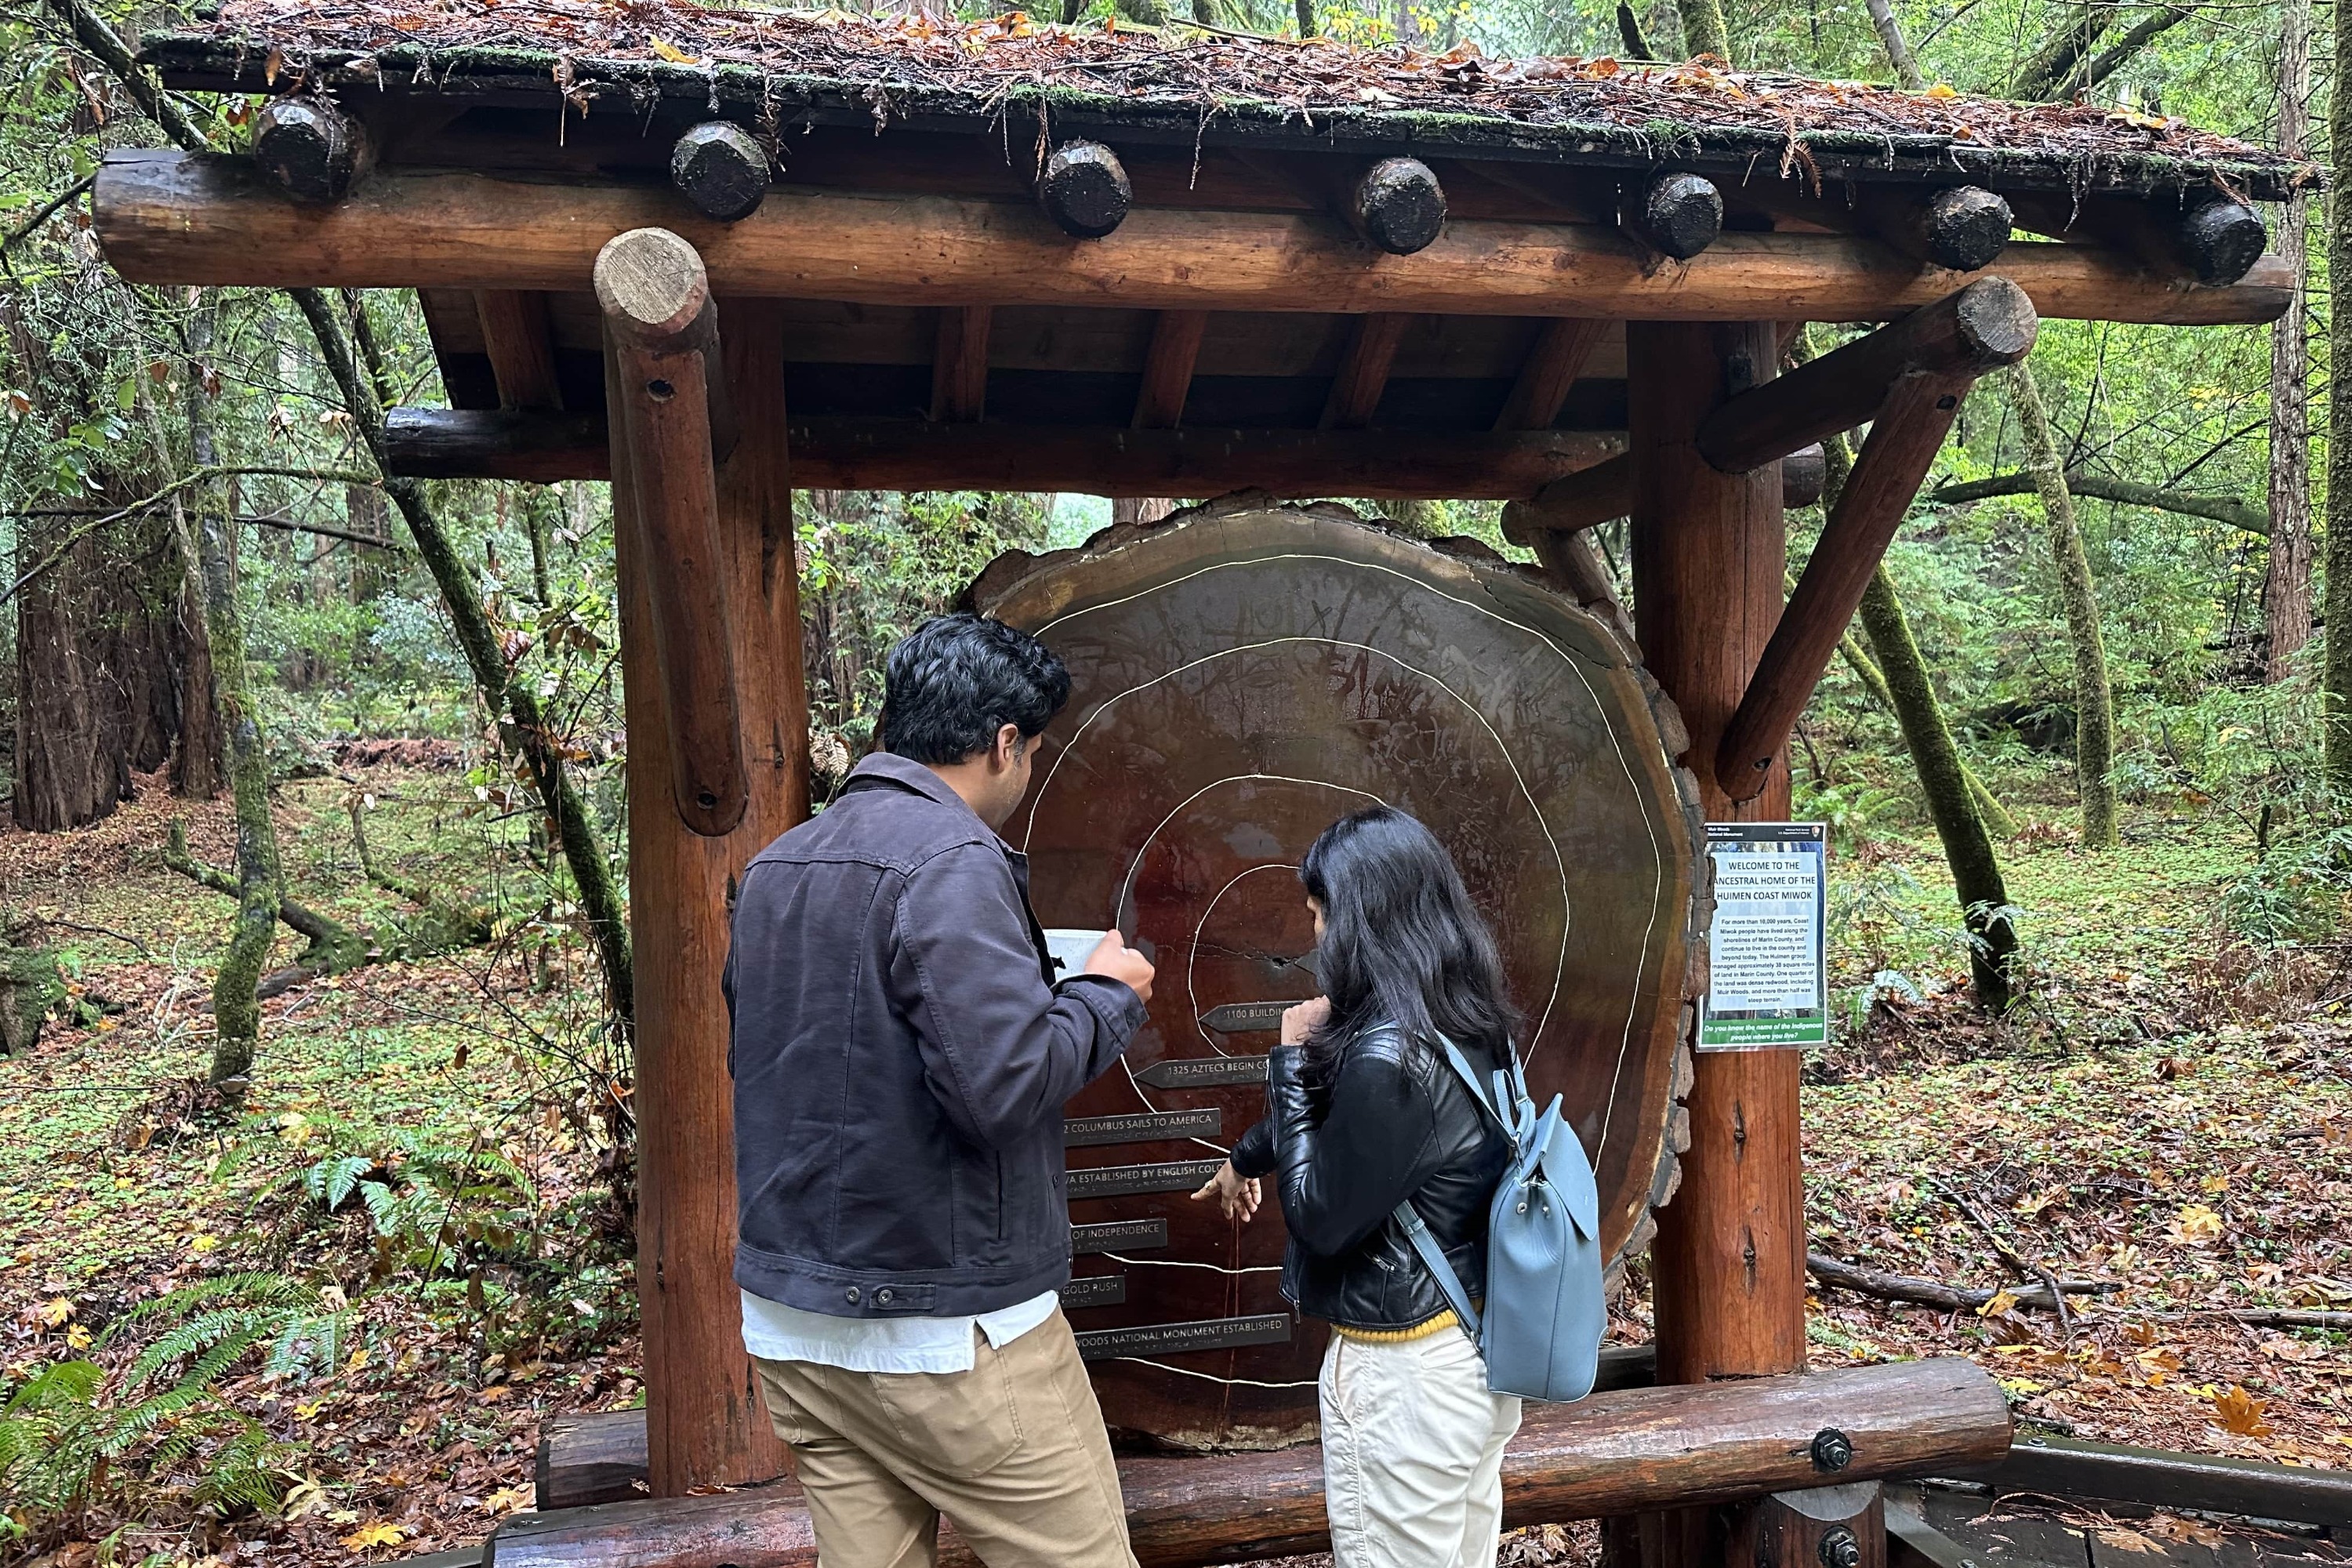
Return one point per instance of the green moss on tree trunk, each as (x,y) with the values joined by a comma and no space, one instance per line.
(1704,32)
(236,1002)
(2095,703)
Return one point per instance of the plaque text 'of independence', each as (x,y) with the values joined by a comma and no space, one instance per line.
(1118,1235)
(1175,1339)
(1201,1072)
(1084,1132)
(1117,1181)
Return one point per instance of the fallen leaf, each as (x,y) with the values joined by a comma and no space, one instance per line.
(377,1533)
(2122,1540)
(56,1311)
(2237,1411)
(2196,1225)
(2004,1302)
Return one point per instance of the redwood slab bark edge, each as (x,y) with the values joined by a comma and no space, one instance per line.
(1609,1454)
(184,218)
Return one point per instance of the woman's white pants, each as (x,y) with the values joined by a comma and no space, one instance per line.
(1412,1452)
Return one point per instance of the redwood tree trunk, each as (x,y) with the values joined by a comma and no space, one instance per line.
(2338,668)
(70,766)
(2286,585)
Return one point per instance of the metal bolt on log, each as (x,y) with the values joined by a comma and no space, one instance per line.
(1832,1449)
(1679,213)
(310,149)
(721,170)
(1839,1548)
(1084,189)
(1398,206)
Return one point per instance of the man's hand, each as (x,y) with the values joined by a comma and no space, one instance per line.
(1235,1193)
(1113,959)
(1303,1020)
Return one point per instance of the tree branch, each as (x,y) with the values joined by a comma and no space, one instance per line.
(2118,54)
(2236,513)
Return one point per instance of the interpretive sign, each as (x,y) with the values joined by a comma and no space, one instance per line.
(1768,979)
(1245,1017)
(1172,1339)
(1202,1073)
(1117,1181)
(1088,1132)
(1093,1290)
(1118,1234)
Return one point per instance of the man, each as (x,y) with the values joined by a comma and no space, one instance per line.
(901,1055)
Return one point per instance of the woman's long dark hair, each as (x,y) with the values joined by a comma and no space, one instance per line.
(1401,944)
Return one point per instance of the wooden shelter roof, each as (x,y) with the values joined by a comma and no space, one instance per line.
(786,70)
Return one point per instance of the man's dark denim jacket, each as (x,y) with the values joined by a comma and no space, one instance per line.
(901,1058)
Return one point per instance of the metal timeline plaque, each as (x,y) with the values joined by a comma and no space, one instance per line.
(1175,1339)
(1115,1235)
(1086,1131)
(1115,1181)
(1201,1072)
(1095,1290)
(1245,1017)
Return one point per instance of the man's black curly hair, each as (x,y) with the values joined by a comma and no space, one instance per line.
(955,680)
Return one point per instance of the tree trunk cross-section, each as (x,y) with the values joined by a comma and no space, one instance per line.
(1241,678)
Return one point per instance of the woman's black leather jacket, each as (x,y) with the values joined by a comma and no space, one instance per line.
(1399,1124)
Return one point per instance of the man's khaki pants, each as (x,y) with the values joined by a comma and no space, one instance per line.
(1013,1451)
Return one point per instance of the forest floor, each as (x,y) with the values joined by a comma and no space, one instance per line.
(414,1197)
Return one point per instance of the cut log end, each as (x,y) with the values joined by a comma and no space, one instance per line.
(1804,477)
(2220,239)
(1966,227)
(309,149)
(1084,189)
(721,170)
(651,284)
(1996,321)
(1680,214)
(1398,206)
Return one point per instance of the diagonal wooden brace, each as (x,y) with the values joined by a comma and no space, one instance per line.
(1903,440)
(670,408)
(1983,327)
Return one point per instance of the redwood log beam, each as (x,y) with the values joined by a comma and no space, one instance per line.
(2210,238)
(1679,215)
(2219,239)
(1168,369)
(1906,434)
(662,329)
(173,218)
(842,454)
(1363,369)
(1398,206)
(310,149)
(960,365)
(1604,492)
(1084,189)
(1988,323)
(1561,351)
(1612,1454)
(521,347)
(721,169)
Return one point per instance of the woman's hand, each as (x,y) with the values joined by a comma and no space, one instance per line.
(1303,1020)
(1235,1193)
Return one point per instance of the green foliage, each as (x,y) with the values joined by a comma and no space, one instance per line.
(2295,892)
(72,1431)
(434,1206)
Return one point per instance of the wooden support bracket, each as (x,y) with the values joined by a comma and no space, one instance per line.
(1398,206)
(1679,215)
(522,346)
(310,149)
(1908,432)
(1168,369)
(960,365)
(662,329)
(1084,189)
(1363,369)
(1604,492)
(1551,369)
(721,169)
(1985,325)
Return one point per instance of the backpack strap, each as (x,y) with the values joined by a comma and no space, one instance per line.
(1433,1256)
(1462,1070)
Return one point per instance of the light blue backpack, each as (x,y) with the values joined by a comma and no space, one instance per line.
(1540,1332)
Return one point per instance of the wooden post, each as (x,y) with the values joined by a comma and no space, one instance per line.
(1709,557)
(705,1425)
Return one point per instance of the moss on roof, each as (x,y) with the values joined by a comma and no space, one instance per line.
(781,67)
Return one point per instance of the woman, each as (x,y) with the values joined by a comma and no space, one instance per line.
(1363,1113)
